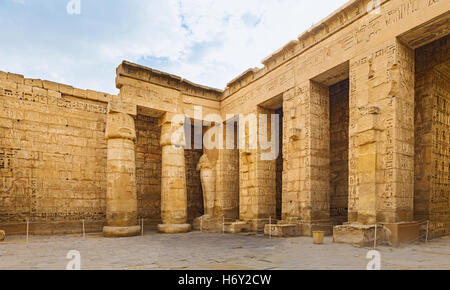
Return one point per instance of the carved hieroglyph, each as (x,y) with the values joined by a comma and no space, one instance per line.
(57,166)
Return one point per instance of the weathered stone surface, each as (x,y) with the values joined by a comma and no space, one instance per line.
(2,236)
(121,232)
(358,235)
(364,101)
(121,196)
(402,233)
(282,230)
(207,224)
(173,177)
(174,228)
(236,227)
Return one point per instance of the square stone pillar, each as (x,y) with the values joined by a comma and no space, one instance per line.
(315,197)
(306,153)
(121,197)
(294,153)
(173,177)
(381,161)
(257,174)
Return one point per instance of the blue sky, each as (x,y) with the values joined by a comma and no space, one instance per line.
(205,41)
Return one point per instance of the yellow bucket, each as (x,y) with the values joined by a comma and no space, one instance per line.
(318,237)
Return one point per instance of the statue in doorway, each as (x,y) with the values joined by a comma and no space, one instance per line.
(207,170)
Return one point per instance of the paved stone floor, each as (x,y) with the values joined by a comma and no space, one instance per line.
(202,251)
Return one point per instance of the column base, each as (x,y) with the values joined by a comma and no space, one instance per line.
(121,232)
(392,234)
(402,233)
(174,228)
(207,224)
(282,230)
(306,228)
(293,227)
(2,236)
(236,227)
(256,225)
(358,235)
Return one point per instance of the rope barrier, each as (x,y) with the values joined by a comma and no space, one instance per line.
(271,222)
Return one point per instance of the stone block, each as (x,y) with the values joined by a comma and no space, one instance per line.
(121,232)
(402,233)
(282,230)
(50,85)
(174,228)
(34,83)
(236,227)
(2,236)
(121,107)
(358,235)
(207,224)
(66,89)
(16,78)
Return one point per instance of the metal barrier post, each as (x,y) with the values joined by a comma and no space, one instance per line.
(84,231)
(270,227)
(28,228)
(375,240)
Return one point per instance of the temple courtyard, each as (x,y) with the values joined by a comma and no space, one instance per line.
(213,251)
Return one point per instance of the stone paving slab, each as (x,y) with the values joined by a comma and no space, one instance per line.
(204,251)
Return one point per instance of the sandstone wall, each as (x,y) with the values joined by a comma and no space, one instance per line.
(193,182)
(339,128)
(52,156)
(53,159)
(148,170)
(432,136)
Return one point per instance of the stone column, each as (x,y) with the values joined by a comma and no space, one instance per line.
(381,159)
(257,174)
(173,177)
(121,197)
(315,198)
(227,178)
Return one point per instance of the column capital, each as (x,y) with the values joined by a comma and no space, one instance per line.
(172,130)
(172,119)
(120,126)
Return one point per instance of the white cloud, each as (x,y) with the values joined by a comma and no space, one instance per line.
(205,41)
